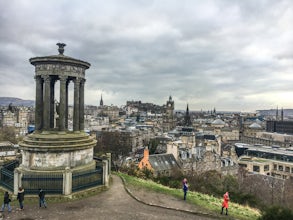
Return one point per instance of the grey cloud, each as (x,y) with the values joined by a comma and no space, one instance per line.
(207,54)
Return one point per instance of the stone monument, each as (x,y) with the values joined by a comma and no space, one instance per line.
(52,149)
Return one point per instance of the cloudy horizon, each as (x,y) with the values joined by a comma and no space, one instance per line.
(228,55)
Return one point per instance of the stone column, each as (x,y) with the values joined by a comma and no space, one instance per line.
(52,102)
(46,103)
(105,173)
(81,105)
(62,104)
(76,111)
(109,157)
(39,104)
(66,105)
(16,180)
(67,181)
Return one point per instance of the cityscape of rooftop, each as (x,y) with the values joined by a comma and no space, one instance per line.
(232,56)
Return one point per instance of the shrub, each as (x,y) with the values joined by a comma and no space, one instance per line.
(276,213)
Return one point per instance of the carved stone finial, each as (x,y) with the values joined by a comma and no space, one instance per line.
(61,48)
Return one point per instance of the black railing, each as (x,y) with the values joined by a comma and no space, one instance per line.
(86,180)
(7,179)
(11,165)
(51,183)
(7,174)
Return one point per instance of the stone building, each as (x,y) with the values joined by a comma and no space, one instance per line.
(159,164)
(285,127)
(267,160)
(228,134)
(18,117)
(7,151)
(169,121)
(110,111)
(269,139)
(252,130)
(202,152)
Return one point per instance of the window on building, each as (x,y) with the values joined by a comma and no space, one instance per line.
(275,167)
(255,168)
(280,168)
(240,164)
(287,169)
(266,167)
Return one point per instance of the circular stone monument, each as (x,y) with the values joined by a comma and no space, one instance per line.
(52,148)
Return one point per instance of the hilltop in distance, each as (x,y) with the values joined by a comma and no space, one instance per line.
(5,101)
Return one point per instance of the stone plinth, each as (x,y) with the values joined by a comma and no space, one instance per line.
(55,151)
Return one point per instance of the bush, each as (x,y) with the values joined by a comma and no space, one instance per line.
(145,173)
(276,213)
(245,199)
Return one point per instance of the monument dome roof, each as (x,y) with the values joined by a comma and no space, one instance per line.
(255,126)
(218,122)
(60,58)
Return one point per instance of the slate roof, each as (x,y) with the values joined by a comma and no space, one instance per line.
(255,126)
(162,162)
(206,136)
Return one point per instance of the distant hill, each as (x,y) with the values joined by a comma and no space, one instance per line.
(272,112)
(5,101)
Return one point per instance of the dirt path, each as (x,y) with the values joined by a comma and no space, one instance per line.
(114,203)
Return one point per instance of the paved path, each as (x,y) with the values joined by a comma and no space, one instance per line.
(114,203)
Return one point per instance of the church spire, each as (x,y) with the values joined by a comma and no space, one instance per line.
(277,114)
(101,101)
(187,120)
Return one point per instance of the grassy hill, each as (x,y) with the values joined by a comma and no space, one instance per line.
(206,202)
(5,101)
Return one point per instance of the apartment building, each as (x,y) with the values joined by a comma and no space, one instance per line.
(268,160)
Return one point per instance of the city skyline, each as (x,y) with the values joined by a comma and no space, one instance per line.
(232,56)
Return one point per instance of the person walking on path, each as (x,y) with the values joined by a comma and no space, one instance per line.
(225,203)
(20,197)
(6,202)
(185,187)
(42,200)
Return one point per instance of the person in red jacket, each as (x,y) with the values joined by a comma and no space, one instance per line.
(225,203)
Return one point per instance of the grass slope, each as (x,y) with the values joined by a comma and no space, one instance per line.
(207,202)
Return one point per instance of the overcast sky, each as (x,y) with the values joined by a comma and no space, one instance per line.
(231,55)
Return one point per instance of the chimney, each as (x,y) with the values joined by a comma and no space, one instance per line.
(146,153)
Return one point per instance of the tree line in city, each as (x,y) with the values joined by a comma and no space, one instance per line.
(8,134)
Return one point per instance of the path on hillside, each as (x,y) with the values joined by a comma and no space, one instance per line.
(114,203)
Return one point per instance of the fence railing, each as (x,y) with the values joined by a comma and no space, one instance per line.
(86,180)
(7,179)
(7,174)
(52,183)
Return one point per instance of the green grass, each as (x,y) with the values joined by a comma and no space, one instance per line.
(206,202)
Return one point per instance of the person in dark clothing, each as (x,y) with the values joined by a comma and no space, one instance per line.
(6,202)
(185,188)
(42,200)
(20,197)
